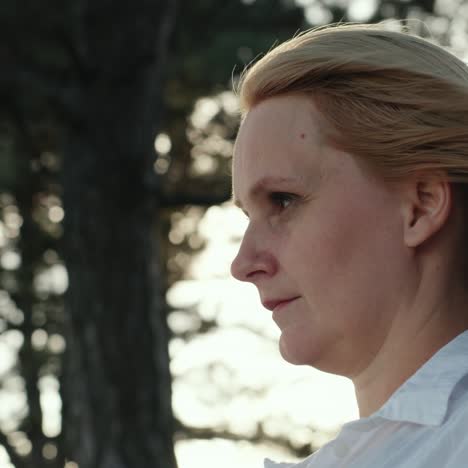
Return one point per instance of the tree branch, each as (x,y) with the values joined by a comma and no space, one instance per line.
(185,432)
(195,198)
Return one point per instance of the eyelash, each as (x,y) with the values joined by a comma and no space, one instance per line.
(278,198)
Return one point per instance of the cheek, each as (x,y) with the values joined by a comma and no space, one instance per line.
(323,246)
(344,256)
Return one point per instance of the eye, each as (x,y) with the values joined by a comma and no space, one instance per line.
(282,199)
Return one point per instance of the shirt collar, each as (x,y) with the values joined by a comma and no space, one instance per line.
(424,397)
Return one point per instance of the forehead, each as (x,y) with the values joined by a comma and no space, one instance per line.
(290,119)
(279,138)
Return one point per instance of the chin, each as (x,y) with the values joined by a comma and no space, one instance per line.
(292,353)
(301,353)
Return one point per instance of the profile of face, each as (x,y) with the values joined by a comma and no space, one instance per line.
(323,244)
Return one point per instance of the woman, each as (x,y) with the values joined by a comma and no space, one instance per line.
(350,163)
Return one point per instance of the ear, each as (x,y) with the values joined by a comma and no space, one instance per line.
(426,207)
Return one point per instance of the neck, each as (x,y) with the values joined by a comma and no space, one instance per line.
(416,334)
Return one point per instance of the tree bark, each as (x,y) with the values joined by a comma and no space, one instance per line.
(116,383)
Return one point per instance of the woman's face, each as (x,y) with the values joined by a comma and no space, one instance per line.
(324,243)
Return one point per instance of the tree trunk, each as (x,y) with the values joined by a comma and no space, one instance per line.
(116,385)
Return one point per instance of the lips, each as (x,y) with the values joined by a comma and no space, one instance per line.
(278,303)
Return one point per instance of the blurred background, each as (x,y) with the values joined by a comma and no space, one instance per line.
(123,341)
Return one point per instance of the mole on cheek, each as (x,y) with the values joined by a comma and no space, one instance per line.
(302,136)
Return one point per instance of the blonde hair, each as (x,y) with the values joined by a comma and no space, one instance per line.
(395,100)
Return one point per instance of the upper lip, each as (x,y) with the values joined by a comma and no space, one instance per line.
(272,303)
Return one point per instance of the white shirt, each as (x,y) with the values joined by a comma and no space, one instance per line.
(424,424)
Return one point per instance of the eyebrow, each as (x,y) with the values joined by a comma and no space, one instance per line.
(263,183)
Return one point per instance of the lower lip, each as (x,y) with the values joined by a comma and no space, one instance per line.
(282,305)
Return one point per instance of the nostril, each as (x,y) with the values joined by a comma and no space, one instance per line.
(253,274)
(254,258)
(250,270)
(241,268)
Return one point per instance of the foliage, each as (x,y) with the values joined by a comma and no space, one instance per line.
(54,54)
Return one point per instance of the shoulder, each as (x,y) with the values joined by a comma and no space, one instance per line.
(457,411)
(453,438)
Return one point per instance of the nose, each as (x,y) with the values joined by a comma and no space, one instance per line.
(255,259)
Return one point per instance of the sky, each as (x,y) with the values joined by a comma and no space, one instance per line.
(213,370)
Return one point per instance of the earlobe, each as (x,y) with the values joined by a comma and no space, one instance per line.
(427,207)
